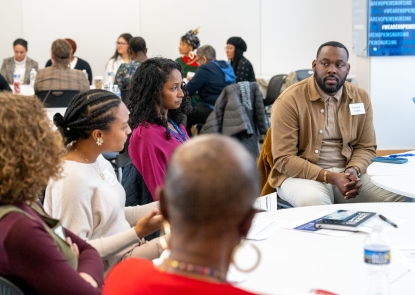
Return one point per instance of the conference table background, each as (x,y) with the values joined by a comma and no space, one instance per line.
(301,261)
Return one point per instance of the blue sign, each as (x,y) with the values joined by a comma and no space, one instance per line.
(391,28)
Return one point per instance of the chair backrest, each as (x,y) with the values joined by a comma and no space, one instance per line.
(123,158)
(274,89)
(56,98)
(8,288)
(303,74)
(125,93)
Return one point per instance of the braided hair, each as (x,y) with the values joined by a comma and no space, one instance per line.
(87,111)
(146,91)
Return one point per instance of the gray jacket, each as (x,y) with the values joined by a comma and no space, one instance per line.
(7,69)
(232,117)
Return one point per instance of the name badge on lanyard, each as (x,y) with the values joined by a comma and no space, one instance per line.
(357,108)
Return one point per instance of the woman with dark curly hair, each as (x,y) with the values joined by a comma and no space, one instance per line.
(188,43)
(158,107)
(88,199)
(36,253)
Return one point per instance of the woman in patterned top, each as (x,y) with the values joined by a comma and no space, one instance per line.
(188,43)
(138,53)
(235,48)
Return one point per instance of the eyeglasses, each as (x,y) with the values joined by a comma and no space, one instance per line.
(121,43)
(228,48)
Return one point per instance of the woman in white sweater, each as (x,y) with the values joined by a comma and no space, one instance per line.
(88,199)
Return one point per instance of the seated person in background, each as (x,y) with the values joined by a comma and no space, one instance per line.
(75,62)
(88,199)
(59,76)
(188,43)
(235,48)
(19,61)
(33,252)
(323,137)
(156,118)
(4,86)
(120,56)
(203,239)
(211,77)
(138,53)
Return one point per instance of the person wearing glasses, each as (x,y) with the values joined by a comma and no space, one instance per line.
(121,54)
(158,107)
(209,80)
(235,48)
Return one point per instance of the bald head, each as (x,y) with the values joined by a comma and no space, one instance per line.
(210,179)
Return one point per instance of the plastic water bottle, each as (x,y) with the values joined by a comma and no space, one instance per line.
(377,260)
(86,74)
(117,91)
(16,81)
(32,77)
(110,78)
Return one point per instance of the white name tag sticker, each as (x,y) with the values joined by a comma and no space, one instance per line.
(109,177)
(59,231)
(357,108)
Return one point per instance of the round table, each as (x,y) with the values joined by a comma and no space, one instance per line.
(397,178)
(301,261)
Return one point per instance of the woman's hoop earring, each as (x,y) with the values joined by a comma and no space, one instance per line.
(191,55)
(167,232)
(100,141)
(239,246)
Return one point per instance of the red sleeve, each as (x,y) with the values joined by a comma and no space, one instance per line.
(36,260)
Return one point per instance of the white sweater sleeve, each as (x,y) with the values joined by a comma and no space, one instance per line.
(134,213)
(81,209)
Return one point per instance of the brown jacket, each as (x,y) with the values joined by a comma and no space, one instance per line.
(265,165)
(298,118)
(60,79)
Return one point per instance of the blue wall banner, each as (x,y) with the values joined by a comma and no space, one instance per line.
(391,28)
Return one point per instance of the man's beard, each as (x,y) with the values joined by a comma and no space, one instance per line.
(333,89)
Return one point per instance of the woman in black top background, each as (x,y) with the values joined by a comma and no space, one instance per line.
(235,48)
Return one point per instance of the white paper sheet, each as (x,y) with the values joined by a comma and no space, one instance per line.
(405,254)
(263,229)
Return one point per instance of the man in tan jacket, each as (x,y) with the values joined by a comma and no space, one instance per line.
(323,137)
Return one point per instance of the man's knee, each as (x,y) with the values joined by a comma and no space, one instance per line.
(305,193)
(313,199)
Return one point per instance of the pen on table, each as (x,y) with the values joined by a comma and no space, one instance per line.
(387,220)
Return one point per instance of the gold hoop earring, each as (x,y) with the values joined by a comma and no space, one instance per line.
(100,141)
(239,246)
(167,233)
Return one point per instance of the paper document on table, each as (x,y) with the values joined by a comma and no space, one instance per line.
(405,254)
(266,203)
(367,226)
(307,225)
(263,229)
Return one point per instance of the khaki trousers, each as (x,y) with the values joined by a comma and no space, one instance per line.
(301,192)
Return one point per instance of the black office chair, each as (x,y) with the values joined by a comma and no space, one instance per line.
(122,159)
(303,74)
(274,88)
(8,288)
(282,204)
(56,98)
(125,93)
